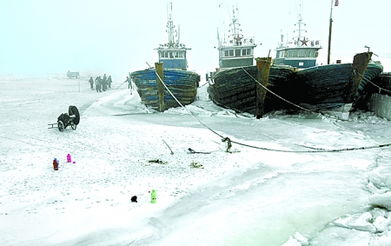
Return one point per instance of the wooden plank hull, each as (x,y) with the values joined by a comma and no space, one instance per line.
(383,81)
(329,86)
(183,84)
(235,89)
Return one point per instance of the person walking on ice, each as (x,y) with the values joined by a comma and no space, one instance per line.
(130,86)
(91,83)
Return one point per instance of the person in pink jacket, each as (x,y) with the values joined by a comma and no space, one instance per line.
(69,158)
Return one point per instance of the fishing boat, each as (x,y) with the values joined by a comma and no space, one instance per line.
(235,84)
(169,84)
(336,87)
(300,51)
(332,88)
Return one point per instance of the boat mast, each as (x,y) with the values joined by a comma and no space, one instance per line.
(300,23)
(170,27)
(236,31)
(330,28)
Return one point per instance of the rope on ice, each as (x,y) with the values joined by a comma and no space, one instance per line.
(229,141)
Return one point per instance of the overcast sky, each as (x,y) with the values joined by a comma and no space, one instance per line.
(40,37)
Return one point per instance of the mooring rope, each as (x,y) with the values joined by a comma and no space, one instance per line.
(275,94)
(191,113)
(315,150)
(229,141)
(370,81)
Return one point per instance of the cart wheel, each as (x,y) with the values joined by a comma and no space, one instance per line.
(73,126)
(60,125)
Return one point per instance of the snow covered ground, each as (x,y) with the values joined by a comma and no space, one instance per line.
(247,197)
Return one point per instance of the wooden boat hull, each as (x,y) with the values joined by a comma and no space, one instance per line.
(382,81)
(182,83)
(235,88)
(330,86)
(380,85)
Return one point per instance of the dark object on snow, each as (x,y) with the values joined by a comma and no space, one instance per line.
(72,118)
(229,144)
(192,151)
(73,111)
(134,199)
(157,161)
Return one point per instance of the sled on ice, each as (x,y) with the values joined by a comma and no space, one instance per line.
(72,118)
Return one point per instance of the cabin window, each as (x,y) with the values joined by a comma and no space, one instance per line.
(231,52)
(249,52)
(237,52)
(226,53)
(244,52)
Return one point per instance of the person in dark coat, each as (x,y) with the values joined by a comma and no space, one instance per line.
(109,81)
(104,82)
(91,83)
(129,80)
(98,84)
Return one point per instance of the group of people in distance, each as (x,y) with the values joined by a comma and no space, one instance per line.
(101,83)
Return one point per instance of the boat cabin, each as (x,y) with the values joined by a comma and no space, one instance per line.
(236,51)
(236,56)
(300,57)
(173,57)
(299,52)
